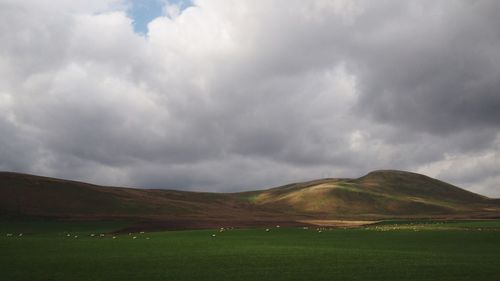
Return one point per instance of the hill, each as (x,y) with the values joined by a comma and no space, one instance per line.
(379,194)
(29,195)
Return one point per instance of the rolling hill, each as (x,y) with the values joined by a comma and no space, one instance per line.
(379,194)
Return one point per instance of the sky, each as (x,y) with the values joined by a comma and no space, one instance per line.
(144,11)
(219,95)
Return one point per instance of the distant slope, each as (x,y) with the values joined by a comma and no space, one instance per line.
(379,194)
(28,195)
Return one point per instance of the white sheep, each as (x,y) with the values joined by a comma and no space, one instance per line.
(267,229)
(213,235)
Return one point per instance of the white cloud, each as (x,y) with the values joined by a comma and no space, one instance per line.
(478,171)
(241,94)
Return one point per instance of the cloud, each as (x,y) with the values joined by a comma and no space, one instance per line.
(433,70)
(479,170)
(239,95)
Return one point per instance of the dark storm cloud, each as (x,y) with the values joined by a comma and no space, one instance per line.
(435,70)
(231,96)
(15,152)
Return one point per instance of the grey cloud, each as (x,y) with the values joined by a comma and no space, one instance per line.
(244,95)
(16,152)
(436,72)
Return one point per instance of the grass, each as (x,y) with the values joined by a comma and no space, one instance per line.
(50,228)
(462,225)
(453,253)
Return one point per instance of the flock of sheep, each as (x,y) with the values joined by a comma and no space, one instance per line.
(135,236)
(318,229)
(101,235)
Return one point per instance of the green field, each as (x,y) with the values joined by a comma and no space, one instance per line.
(388,251)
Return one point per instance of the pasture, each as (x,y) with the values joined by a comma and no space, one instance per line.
(402,250)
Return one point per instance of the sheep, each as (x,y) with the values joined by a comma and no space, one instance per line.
(213,235)
(278,226)
(9,234)
(20,235)
(68,235)
(92,235)
(114,237)
(267,229)
(147,238)
(76,236)
(135,237)
(142,232)
(102,235)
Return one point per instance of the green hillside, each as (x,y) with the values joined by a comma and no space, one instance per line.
(379,194)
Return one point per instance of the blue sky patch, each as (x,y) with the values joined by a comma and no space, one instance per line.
(144,11)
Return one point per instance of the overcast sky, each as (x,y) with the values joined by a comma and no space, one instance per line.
(222,95)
